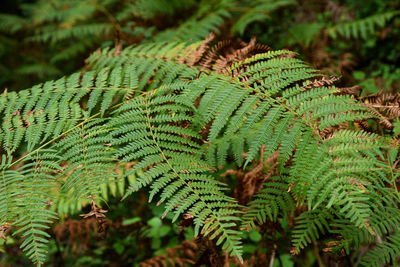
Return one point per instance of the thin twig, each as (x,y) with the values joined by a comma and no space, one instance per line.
(316,254)
(272,260)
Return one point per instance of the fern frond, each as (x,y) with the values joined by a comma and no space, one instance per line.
(310,225)
(44,112)
(49,34)
(153,106)
(66,204)
(159,133)
(148,10)
(88,159)
(155,62)
(11,23)
(265,100)
(350,235)
(33,196)
(362,27)
(385,253)
(259,11)
(271,201)
(10,179)
(196,29)
(344,169)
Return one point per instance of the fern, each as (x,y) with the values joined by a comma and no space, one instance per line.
(88,163)
(362,27)
(259,11)
(195,29)
(114,186)
(149,10)
(264,109)
(57,35)
(29,189)
(351,236)
(270,202)
(308,228)
(385,253)
(153,108)
(153,130)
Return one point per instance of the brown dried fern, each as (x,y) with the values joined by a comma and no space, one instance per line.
(180,255)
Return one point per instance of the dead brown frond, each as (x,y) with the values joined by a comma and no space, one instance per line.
(215,52)
(181,255)
(244,51)
(383,120)
(249,183)
(320,82)
(194,56)
(362,125)
(239,54)
(4,230)
(223,54)
(97,213)
(386,106)
(77,233)
(354,90)
(387,103)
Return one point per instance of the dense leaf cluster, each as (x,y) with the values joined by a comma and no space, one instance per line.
(240,144)
(150,105)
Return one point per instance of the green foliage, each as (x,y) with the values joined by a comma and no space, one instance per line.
(310,226)
(59,31)
(259,11)
(28,189)
(272,200)
(154,116)
(141,108)
(197,28)
(362,27)
(385,253)
(177,173)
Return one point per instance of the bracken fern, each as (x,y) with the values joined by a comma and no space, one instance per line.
(154,107)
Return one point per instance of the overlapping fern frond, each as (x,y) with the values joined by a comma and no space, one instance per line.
(272,200)
(269,102)
(157,109)
(88,160)
(30,188)
(385,253)
(159,131)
